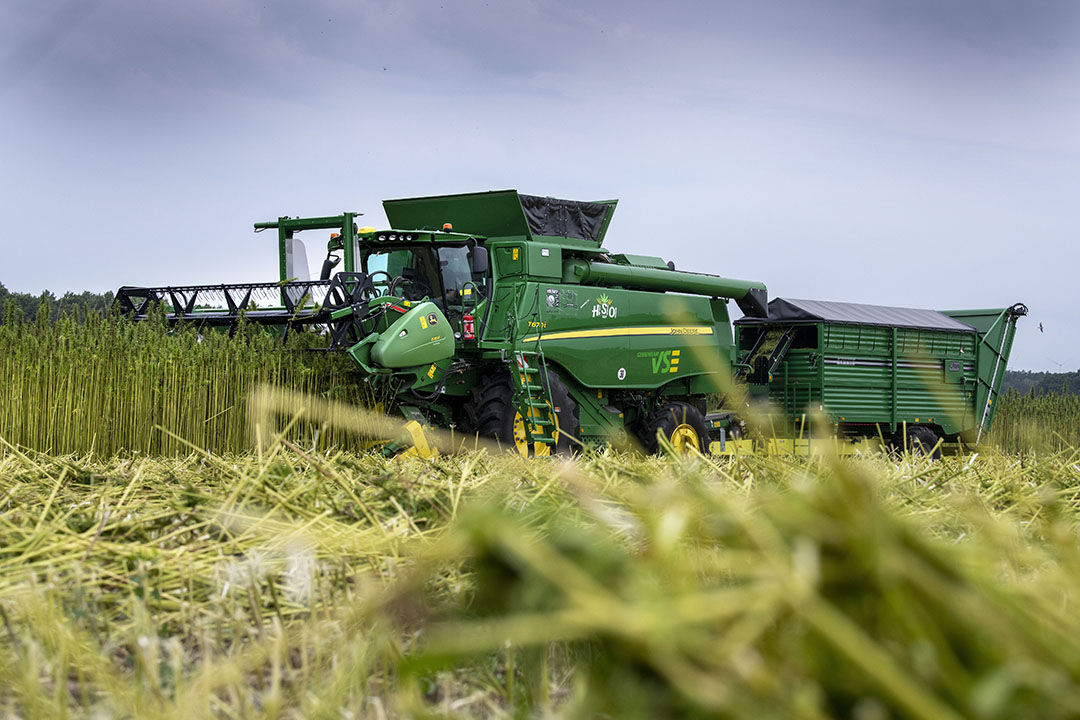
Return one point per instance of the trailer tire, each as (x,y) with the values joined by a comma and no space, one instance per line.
(921,441)
(681,424)
(492,413)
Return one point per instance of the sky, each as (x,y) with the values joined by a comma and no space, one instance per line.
(920,153)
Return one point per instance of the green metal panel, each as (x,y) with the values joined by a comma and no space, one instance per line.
(894,418)
(641,261)
(996,329)
(492,214)
(510,260)
(283,237)
(796,384)
(623,339)
(420,336)
(349,246)
(903,381)
(543,261)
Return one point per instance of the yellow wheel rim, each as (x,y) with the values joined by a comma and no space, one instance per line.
(685,440)
(521,441)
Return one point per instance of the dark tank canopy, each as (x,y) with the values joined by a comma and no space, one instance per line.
(505,213)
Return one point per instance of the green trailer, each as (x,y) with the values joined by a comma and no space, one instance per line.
(909,376)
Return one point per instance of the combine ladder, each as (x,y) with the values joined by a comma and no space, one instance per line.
(532,389)
(532,395)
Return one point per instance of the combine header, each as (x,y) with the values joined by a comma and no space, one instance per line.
(503,314)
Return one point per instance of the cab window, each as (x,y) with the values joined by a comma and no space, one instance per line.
(440,273)
(456,267)
(389,261)
(417,266)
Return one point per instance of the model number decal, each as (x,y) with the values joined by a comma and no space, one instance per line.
(666,361)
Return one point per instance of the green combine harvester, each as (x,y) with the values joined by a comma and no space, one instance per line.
(503,314)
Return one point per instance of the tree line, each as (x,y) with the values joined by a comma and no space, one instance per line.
(1042,383)
(75,304)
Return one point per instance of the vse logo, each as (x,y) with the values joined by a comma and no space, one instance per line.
(604,308)
(667,361)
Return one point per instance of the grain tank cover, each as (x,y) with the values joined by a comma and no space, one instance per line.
(505,213)
(793,310)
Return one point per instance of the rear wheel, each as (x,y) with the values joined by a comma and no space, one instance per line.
(921,441)
(492,413)
(681,424)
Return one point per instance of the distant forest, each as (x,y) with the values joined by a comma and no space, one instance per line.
(70,303)
(1023,381)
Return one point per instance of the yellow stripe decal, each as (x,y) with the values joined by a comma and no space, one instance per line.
(623,331)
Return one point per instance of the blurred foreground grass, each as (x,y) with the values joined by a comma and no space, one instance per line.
(293,585)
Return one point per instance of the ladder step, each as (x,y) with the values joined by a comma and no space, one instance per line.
(541,423)
(529,402)
(529,386)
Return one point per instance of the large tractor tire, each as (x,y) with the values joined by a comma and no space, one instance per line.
(492,413)
(681,424)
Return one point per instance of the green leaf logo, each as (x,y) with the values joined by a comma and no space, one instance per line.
(604,300)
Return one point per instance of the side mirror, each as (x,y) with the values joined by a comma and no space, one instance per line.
(328,266)
(480,260)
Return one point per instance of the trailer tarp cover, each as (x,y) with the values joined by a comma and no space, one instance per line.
(785,310)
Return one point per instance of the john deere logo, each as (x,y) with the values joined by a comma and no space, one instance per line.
(431,319)
(604,308)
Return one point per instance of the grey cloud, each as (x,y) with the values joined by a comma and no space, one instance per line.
(910,153)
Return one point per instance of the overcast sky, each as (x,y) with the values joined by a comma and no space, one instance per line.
(923,153)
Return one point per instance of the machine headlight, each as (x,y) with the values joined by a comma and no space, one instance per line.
(393,238)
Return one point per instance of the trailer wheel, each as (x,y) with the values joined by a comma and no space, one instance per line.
(921,441)
(682,425)
(492,413)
